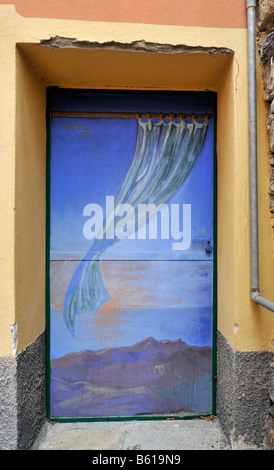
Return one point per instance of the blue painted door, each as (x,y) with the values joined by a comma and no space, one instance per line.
(131,254)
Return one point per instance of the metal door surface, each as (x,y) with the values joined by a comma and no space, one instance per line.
(130,254)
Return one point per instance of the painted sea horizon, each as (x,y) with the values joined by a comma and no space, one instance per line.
(128,325)
(146,299)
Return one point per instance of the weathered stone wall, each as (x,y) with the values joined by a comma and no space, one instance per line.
(265,24)
(23,396)
(243,405)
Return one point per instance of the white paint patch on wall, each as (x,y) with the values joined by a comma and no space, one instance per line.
(14,339)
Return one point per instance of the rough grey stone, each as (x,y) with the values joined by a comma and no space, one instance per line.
(265,14)
(22,396)
(265,24)
(271,135)
(266,48)
(268,74)
(243,396)
(31,391)
(58,42)
(8,410)
(194,434)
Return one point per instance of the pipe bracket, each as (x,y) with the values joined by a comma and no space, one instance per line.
(250,3)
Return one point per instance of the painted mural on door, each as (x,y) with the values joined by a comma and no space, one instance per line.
(131,264)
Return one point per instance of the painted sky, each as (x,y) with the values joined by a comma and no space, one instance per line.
(90,159)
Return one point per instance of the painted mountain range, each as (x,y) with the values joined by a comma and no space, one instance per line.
(149,377)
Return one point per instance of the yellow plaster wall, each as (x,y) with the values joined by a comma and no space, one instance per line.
(245,325)
(124,69)
(7,179)
(30,196)
(225,202)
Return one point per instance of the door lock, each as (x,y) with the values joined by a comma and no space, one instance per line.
(208,248)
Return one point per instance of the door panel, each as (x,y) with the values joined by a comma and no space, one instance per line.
(131,262)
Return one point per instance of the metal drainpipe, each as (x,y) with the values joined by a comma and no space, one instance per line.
(252,97)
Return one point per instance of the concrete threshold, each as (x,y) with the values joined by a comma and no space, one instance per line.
(192,434)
